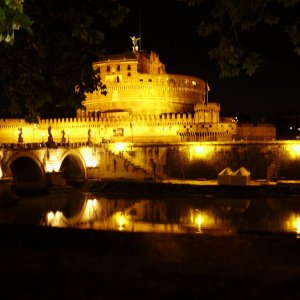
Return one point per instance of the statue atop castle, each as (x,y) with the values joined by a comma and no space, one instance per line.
(135,47)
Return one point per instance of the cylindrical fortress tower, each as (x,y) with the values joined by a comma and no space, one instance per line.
(137,83)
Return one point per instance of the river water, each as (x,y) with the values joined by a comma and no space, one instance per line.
(206,214)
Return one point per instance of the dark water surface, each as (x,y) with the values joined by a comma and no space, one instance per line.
(209,214)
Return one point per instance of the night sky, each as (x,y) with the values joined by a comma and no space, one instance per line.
(169,29)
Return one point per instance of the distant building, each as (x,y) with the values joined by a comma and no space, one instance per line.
(256,131)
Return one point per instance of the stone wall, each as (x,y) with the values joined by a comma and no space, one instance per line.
(116,127)
(256,131)
(265,160)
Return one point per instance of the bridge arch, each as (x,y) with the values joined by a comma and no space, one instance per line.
(27,172)
(73,167)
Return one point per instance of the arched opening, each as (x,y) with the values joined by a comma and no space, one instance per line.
(73,170)
(27,175)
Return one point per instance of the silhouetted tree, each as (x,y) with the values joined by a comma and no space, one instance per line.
(53,65)
(228,21)
(12,18)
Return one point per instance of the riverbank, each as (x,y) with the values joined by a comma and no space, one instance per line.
(190,188)
(52,263)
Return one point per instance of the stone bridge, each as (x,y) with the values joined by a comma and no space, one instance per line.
(36,166)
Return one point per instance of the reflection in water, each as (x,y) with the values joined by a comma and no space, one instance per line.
(200,215)
(89,213)
(203,220)
(139,216)
(55,219)
(293,223)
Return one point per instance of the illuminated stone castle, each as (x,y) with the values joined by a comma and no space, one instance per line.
(144,104)
(151,124)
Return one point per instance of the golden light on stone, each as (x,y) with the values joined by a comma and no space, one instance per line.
(52,165)
(90,158)
(200,151)
(1,173)
(294,150)
(118,147)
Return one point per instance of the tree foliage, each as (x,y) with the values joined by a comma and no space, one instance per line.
(12,18)
(228,20)
(42,69)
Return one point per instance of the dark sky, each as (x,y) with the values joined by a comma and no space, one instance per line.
(169,29)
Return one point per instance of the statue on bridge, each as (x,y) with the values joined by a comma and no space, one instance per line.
(63,139)
(50,141)
(89,141)
(20,138)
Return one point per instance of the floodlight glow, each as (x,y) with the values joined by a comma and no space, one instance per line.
(200,151)
(52,165)
(90,158)
(293,223)
(118,147)
(294,150)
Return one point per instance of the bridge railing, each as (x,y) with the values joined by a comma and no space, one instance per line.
(17,146)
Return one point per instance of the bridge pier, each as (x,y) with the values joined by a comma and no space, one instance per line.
(55,179)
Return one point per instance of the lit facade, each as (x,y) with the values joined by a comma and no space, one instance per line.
(145,103)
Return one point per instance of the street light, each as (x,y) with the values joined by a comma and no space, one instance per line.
(131,127)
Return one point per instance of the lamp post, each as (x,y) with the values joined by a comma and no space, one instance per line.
(131,127)
(68,137)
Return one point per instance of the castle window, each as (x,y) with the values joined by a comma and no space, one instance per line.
(202,126)
(129,74)
(141,79)
(129,67)
(118,68)
(118,79)
(150,80)
(108,68)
